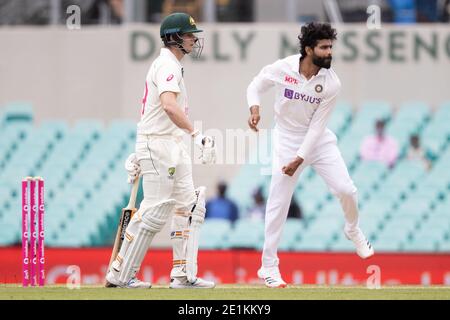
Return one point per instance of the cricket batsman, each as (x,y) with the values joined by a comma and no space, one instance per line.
(306,90)
(161,158)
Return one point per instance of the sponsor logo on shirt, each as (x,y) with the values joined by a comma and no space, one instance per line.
(291,94)
(290,80)
(171,171)
(170,77)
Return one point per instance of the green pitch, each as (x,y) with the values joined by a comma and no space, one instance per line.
(226,292)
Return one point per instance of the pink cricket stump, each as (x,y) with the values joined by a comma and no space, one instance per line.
(25,253)
(33,205)
(41,212)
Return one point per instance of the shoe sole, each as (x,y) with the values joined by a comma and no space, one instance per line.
(110,285)
(189,287)
(369,256)
(277,287)
(364,258)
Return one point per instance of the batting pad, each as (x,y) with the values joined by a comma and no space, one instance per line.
(197,218)
(178,235)
(151,222)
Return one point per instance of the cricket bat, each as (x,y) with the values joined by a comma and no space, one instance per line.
(125,218)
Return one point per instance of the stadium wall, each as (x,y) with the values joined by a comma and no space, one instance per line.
(99,72)
(240,266)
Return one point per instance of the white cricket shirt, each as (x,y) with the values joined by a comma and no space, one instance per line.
(302,107)
(165,74)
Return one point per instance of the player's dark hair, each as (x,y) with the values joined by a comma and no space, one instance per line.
(312,32)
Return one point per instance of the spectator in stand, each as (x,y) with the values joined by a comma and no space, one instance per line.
(445,11)
(405,11)
(416,153)
(258,210)
(380,147)
(222,207)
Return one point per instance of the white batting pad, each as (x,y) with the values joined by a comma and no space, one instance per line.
(151,222)
(197,218)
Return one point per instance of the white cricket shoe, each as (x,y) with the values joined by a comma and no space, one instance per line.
(134,283)
(271,277)
(364,248)
(183,283)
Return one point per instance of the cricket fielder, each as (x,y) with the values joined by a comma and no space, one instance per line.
(163,161)
(306,90)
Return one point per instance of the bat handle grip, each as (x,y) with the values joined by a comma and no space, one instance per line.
(134,191)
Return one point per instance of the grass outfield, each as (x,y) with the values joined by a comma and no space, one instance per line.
(226,292)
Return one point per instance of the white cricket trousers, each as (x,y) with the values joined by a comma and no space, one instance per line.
(327,161)
(166,168)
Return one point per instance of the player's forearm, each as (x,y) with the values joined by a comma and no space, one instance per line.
(179,118)
(254,110)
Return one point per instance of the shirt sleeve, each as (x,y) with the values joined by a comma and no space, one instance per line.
(261,83)
(167,78)
(319,121)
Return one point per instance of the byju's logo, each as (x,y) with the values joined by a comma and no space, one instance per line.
(290,94)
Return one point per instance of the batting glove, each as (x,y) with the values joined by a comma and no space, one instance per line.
(207,147)
(133,168)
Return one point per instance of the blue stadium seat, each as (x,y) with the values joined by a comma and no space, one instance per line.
(312,242)
(245,183)
(413,111)
(214,234)
(340,118)
(444,246)
(291,233)
(342,244)
(17,112)
(421,245)
(247,233)
(121,128)
(388,242)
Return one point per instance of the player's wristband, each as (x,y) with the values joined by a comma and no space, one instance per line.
(198,137)
(195,133)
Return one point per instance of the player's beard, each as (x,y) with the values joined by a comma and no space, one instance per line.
(322,62)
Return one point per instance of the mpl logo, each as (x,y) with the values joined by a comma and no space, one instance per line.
(290,80)
(170,77)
